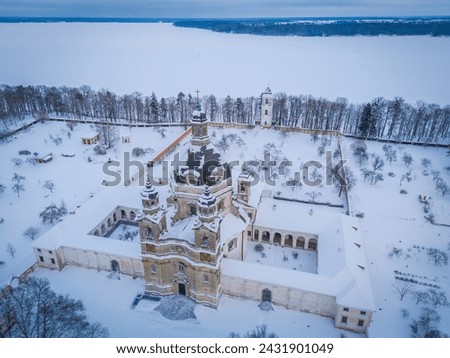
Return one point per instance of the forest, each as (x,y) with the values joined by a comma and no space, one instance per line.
(326,26)
(380,118)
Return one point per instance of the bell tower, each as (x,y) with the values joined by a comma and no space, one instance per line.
(152,218)
(206,227)
(267,108)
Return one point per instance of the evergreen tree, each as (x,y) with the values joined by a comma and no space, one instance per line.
(154,109)
(367,126)
(163,110)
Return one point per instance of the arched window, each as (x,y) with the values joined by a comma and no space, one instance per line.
(132,215)
(115,266)
(300,242)
(265,236)
(266,295)
(266,112)
(256,235)
(192,209)
(312,245)
(277,238)
(288,240)
(153,269)
(205,242)
(206,279)
(267,101)
(149,232)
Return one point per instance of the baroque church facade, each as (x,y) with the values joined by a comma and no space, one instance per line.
(193,240)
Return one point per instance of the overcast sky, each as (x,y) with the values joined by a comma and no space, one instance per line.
(222,8)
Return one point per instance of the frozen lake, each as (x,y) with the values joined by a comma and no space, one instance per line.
(165,59)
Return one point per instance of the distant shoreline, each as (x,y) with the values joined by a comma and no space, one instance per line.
(306,26)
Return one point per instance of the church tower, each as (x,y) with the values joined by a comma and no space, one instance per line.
(152,218)
(244,182)
(266,108)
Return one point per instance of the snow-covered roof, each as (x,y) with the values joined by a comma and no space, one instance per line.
(73,230)
(341,255)
(88,134)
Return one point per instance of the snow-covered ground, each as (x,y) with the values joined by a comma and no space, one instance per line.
(109,300)
(75,179)
(167,59)
(391,219)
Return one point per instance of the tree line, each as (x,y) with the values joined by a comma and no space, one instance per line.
(380,118)
(331,27)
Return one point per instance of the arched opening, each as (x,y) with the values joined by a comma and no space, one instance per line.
(123,214)
(288,240)
(148,232)
(242,188)
(221,206)
(115,266)
(97,233)
(312,245)
(114,217)
(266,295)
(256,238)
(300,242)
(265,236)
(205,242)
(103,228)
(277,238)
(109,222)
(266,112)
(132,215)
(192,209)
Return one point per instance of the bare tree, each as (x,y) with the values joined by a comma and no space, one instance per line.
(32,232)
(420,296)
(17,162)
(109,135)
(442,187)
(439,257)
(313,195)
(390,153)
(407,159)
(49,185)
(438,298)
(403,288)
(11,250)
(33,310)
(18,188)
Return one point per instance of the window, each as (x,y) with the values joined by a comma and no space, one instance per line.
(41,258)
(360,323)
(344,319)
(266,112)
(53,261)
(232,245)
(39,250)
(205,242)
(181,268)
(205,279)
(153,269)
(267,101)
(249,233)
(363,313)
(50,252)
(345,309)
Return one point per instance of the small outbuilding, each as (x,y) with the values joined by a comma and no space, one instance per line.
(90,138)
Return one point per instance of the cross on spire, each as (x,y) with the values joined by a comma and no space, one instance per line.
(197,91)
